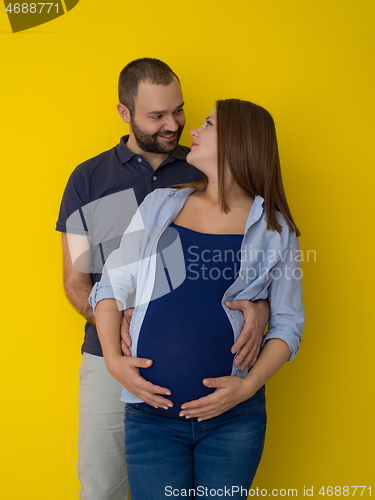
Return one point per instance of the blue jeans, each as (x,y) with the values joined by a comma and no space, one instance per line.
(170,456)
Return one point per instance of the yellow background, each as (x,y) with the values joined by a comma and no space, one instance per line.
(311,63)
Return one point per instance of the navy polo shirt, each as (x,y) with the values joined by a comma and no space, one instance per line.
(101,197)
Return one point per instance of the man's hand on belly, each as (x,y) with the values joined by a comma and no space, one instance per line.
(126,341)
(256,316)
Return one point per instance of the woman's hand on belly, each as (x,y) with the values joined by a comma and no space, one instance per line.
(125,369)
(230,391)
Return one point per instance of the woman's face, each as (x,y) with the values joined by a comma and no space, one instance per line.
(203,154)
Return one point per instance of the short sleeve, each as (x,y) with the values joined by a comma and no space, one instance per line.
(74,198)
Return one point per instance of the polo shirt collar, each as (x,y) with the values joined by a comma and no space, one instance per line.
(126,155)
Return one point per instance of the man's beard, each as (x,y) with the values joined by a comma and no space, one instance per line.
(149,142)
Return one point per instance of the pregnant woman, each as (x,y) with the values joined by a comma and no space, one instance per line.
(187,251)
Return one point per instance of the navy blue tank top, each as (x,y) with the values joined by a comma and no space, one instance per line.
(186,332)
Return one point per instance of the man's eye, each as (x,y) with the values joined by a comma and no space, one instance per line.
(179,111)
(156,117)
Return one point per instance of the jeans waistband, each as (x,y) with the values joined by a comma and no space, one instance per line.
(164,412)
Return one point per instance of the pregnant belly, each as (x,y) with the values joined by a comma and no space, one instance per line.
(186,344)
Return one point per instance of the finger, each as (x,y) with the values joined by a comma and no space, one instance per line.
(237,304)
(128,313)
(125,349)
(151,393)
(150,388)
(197,413)
(218,383)
(141,362)
(248,349)
(125,334)
(246,339)
(199,404)
(156,401)
(244,360)
(143,384)
(250,359)
(127,341)
(125,330)
(193,405)
(202,413)
(126,320)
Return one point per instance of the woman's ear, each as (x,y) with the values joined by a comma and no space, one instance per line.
(124,112)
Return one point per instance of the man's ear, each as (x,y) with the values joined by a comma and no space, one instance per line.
(124,112)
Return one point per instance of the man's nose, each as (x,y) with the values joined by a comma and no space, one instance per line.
(171,124)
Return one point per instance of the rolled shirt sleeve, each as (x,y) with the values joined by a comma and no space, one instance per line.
(285,298)
(119,276)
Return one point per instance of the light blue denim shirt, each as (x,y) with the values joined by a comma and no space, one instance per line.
(269,269)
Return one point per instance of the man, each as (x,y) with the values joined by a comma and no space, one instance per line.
(101,196)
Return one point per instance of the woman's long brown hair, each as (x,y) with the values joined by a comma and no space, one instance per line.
(247,143)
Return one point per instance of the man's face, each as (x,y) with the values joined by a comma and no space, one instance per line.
(158,119)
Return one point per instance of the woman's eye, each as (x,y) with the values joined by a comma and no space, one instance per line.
(208,123)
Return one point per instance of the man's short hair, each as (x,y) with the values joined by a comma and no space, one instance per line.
(146,69)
